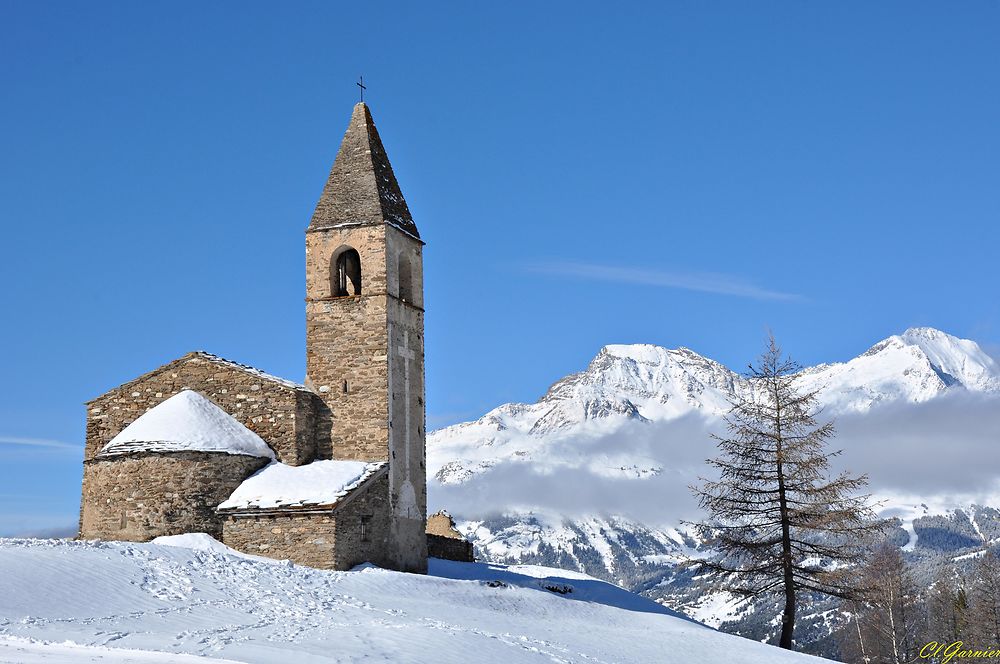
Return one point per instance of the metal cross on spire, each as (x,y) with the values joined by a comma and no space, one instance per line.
(361,84)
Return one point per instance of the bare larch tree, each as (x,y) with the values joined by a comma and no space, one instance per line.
(779,521)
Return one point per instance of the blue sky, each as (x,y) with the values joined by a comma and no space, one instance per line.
(679,173)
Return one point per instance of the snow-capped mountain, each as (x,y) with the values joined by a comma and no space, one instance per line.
(647,383)
(915,366)
(634,426)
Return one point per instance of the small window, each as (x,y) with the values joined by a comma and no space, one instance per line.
(365,529)
(345,387)
(345,273)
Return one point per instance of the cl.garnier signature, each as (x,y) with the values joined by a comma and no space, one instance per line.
(956,650)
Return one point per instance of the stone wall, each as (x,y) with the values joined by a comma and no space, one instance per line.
(306,537)
(444,540)
(140,496)
(312,429)
(407,471)
(449,548)
(277,411)
(346,344)
(365,359)
(371,505)
(326,539)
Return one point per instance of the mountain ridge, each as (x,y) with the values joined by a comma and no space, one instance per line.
(649,383)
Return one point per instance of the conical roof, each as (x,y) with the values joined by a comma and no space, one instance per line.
(187,422)
(362,189)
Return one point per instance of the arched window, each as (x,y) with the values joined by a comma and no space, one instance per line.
(405,289)
(345,273)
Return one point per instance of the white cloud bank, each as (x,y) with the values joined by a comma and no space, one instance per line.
(946,451)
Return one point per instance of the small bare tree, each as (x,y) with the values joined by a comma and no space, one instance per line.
(984,599)
(947,606)
(779,522)
(887,622)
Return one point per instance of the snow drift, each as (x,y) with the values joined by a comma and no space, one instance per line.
(93,597)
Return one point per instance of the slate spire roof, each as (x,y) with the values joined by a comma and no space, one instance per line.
(362,189)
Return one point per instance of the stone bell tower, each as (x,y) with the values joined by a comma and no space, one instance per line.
(365,327)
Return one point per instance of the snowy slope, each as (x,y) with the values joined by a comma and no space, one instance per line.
(93,597)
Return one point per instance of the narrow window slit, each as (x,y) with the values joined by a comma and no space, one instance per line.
(364,528)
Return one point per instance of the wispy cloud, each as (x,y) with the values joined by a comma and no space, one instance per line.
(37,442)
(705,282)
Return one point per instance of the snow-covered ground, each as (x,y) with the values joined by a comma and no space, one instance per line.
(64,601)
(14,650)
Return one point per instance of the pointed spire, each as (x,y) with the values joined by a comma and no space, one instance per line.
(361,188)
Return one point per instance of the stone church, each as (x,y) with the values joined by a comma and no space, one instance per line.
(329,473)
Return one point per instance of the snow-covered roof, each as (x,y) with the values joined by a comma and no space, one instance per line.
(316,483)
(187,422)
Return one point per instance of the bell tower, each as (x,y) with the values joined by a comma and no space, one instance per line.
(365,328)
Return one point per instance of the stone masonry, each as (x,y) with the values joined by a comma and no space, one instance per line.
(347,340)
(137,497)
(324,537)
(444,540)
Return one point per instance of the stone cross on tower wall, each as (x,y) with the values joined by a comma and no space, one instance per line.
(365,326)
(405,505)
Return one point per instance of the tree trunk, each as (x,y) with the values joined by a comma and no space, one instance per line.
(903,596)
(788,616)
(892,630)
(861,639)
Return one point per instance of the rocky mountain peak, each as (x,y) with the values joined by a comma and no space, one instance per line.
(649,383)
(917,365)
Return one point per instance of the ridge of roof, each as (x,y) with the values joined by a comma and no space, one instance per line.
(263,375)
(215,359)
